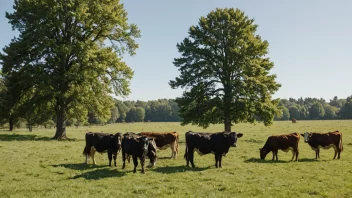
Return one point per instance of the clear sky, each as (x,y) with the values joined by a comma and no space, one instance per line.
(310,43)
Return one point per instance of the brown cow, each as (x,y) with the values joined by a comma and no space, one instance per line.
(282,142)
(165,140)
(293,120)
(325,141)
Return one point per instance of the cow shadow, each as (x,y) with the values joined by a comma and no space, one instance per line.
(100,174)
(19,137)
(80,166)
(177,169)
(269,161)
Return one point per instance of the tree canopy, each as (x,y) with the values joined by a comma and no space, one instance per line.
(226,72)
(68,53)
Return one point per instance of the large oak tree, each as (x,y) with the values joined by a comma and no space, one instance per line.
(71,50)
(226,72)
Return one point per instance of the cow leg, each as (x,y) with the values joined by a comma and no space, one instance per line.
(173,150)
(110,156)
(297,152)
(92,153)
(273,155)
(135,163)
(318,153)
(87,156)
(114,156)
(142,164)
(123,160)
(191,157)
(220,158)
(277,159)
(216,160)
(335,149)
(338,152)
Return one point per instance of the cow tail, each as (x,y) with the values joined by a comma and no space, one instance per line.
(177,144)
(341,146)
(186,151)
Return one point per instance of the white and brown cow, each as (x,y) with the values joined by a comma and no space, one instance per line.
(325,141)
(165,140)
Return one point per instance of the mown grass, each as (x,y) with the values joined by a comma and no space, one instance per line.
(32,165)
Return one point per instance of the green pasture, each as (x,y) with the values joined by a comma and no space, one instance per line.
(32,165)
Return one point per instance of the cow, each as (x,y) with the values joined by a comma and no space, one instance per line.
(138,147)
(165,140)
(102,142)
(293,120)
(281,142)
(205,143)
(325,141)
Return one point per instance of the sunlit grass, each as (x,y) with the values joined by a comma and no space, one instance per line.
(32,165)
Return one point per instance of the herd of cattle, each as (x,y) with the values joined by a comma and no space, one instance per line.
(146,144)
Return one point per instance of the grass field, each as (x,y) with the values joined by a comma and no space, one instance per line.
(32,165)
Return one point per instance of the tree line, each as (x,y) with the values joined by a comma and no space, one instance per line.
(315,109)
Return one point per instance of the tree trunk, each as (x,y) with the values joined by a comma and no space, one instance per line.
(11,123)
(30,125)
(227,124)
(61,122)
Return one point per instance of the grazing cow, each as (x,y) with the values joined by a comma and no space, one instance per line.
(165,140)
(282,142)
(102,142)
(293,120)
(138,147)
(205,143)
(325,141)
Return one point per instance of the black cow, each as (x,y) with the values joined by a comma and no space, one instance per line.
(205,143)
(138,147)
(102,142)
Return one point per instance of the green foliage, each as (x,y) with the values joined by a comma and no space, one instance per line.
(316,111)
(135,114)
(63,52)
(226,71)
(285,114)
(330,112)
(294,112)
(114,115)
(346,109)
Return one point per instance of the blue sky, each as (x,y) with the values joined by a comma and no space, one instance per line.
(310,43)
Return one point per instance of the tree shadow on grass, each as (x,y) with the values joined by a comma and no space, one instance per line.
(19,137)
(100,174)
(177,169)
(80,166)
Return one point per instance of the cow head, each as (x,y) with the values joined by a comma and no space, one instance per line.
(306,136)
(152,153)
(232,138)
(118,139)
(144,142)
(263,153)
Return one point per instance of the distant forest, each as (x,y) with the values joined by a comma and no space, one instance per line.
(166,110)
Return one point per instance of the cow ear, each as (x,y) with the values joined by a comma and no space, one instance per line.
(239,135)
(302,135)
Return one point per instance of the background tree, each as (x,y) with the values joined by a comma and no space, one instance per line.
(330,112)
(316,111)
(62,46)
(226,71)
(285,114)
(135,114)
(294,112)
(346,109)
